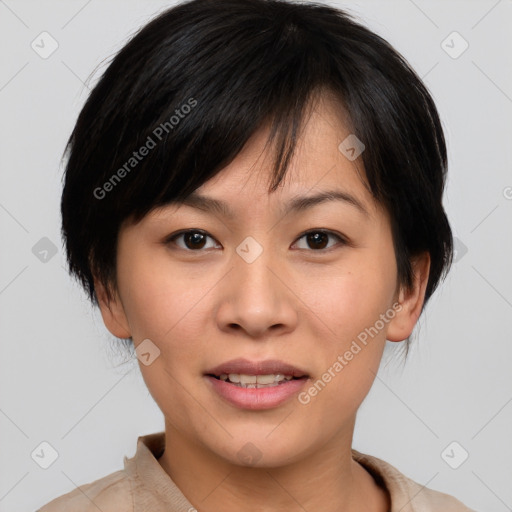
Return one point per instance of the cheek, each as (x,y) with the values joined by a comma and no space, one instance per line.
(353,298)
(162,303)
(351,332)
(165,306)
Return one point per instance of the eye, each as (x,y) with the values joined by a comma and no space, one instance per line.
(194,239)
(318,239)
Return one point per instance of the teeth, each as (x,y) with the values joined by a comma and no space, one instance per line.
(255,381)
(266,379)
(245,379)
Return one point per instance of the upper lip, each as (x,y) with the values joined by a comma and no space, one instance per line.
(267,367)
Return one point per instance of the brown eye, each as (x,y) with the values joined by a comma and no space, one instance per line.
(193,239)
(318,240)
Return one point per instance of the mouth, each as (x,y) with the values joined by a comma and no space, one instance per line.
(256,384)
(255,381)
(266,373)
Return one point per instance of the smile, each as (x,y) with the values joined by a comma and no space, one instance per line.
(254,381)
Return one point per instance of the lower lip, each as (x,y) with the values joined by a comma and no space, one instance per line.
(256,398)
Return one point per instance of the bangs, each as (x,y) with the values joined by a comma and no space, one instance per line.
(190,121)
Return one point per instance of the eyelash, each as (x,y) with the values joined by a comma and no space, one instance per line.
(171,239)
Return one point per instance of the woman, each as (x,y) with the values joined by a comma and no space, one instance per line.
(253,198)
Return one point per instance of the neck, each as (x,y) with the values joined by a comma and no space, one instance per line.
(328,480)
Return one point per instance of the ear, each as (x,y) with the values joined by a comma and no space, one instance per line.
(411,301)
(114,316)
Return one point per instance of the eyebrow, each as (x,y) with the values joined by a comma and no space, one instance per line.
(297,204)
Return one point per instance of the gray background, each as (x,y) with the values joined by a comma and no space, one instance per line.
(60,379)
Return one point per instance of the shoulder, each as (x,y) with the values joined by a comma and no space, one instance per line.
(430,500)
(406,494)
(108,494)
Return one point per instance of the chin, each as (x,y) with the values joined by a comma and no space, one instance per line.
(263,449)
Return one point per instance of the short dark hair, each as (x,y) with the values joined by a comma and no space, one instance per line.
(197,81)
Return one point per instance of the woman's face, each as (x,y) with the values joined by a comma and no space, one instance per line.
(251,284)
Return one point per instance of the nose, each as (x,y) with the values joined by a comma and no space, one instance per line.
(256,299)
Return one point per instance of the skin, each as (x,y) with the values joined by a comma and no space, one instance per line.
(296,302)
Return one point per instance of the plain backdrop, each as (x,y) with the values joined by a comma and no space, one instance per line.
(62,383)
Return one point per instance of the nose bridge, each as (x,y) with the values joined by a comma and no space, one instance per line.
(255,299)
(253,263)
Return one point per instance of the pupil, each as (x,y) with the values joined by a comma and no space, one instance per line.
(314,237)
(196,237)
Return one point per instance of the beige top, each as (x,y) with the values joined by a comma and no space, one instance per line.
(143,486)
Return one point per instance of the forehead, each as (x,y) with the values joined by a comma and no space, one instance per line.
(319,171)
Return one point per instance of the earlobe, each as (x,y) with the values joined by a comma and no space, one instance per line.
(112,312)
(411,301)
